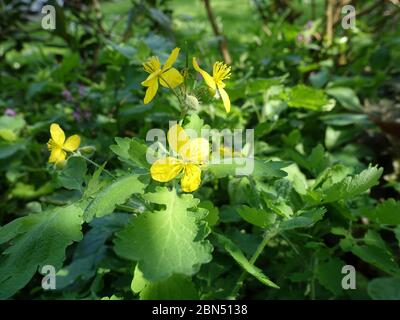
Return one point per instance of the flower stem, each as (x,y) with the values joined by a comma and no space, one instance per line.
(175,93)
(78,154)
(267,236)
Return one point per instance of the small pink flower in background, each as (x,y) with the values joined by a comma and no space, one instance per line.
(67,95)
(81,115)
(10,112)
(81,90)
(309,24)
(299,37)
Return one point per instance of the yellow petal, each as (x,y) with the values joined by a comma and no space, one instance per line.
(191,178)
(171,78)
(171,59)
(207,78)
(150,79)
(196,150)
(151,91)
(177,138)
(225,99)
(57,155)
(165,169)
(57,134)
(72,143)
(152,65)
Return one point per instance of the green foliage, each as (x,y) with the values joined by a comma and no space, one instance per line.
(34,241)
(165,242)
(176,287)
(72,176)
(258,217)
(387,212)
(240,258)
(114,194)
(350,186)
(321,189)
(302,96)
(384,289)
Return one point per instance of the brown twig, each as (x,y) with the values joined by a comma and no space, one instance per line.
(329,21)
(223,45)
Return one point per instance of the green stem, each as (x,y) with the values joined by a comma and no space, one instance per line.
(253,259)
(174,92)
(312,284)
(78,154)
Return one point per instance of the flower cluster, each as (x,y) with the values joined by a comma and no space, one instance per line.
(170,77)
(191,154)
(187,156)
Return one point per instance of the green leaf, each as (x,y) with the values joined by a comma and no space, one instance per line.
(384,289)
(125,50)
(10,127)
(329,275)
(8,149)
(306,219)
(176,287)
(261,169)
(387,212)
(137,153)
(347,98)
(116,193)
(91,251)
(302,96)
(397,234)
(36,240)
(68,68)
(28,191)
(377,257)
(165,242)
(8,135)
(195,123)
(133,151)
(373,238)
(346,119)
(94,183)
(213,212)
(258,217)
(73,175)
(121,149)
(353,186)
(316,162)
(240,258)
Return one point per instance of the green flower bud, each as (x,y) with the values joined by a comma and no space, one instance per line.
(87,150)
(61,164)
(192,102)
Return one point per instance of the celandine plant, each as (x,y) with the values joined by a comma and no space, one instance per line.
(153,228)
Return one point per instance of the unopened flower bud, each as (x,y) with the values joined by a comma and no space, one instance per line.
(87,149)
(61,164)
(192,102)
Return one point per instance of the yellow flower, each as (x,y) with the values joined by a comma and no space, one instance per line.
(220,72)
(168,76)
(58,146)
(192,154)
